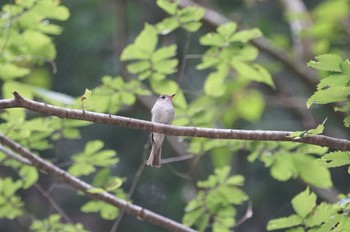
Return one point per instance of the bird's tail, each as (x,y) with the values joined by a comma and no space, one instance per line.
(155,157)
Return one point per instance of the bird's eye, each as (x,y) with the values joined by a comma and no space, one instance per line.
(163,97)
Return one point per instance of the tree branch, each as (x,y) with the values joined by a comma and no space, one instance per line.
(259,135)
(80,185)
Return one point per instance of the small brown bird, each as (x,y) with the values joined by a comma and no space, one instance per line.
(162,112)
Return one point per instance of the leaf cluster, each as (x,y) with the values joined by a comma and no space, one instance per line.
(289,161)
(26,39)
(312,217)
(187,18)
(335,88)
(112,95)
(215,203)
(53,224)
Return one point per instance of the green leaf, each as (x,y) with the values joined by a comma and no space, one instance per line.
(85,162)
(81,169)
(212,39)
(255,100)
(320,214)
(339,80)
(165,66)
(53,223)
(285,222)
(227,29)
(96,190)
(86,100)
(107,211)
(318,130)
(214,84)
(192,27)
(169,6)
(167,25)
(138,50)
(10,204)
(334,94)
(345,67)
(283,168)
(29,176)
(247,53)
(304,203)
(115,184)
(139,67)
(312,172)
(327,62)
(93,146)
(52,9)
(236,180)
(253,72)
(192,216)
(246,35)
(336,159)
(38,44)
(164,53)
(189,18)
(12,71)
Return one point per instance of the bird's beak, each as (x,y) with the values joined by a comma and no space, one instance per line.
(172,96)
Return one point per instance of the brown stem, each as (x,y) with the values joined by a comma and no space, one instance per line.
(258,135)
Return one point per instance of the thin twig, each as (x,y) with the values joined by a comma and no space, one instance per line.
(14,156)
(247,215)
(177,159)
(53,203)
(179,174)
(257,135)
(132,187)
(184,61)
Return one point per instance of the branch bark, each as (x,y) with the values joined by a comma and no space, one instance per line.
(258,135)
(80,185)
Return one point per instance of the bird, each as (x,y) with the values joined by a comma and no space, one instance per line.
(162,112)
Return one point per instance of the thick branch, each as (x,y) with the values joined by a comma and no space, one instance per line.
(80,185)
(321,140)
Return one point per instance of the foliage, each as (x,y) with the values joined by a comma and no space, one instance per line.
(104,181)
(10,204)
(114,93)
(334,88)
(85,162)
(27,40)
(229,50)
(311,132)
(53,224)
(326,30)
(287,161)
(215,202)
(336,159)
(310,216)
(187,18)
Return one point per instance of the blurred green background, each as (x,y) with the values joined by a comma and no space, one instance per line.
(89,48)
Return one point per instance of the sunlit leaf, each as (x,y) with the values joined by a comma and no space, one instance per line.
(327,62)
(285,222)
